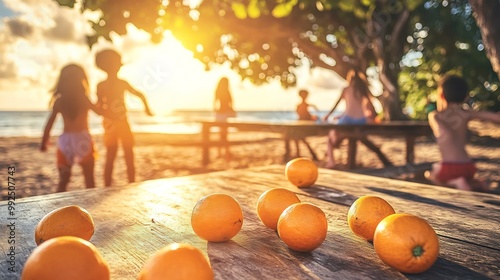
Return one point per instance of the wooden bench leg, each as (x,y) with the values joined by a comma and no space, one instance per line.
(286,157)
(410,149)
(351,153)
(313,154)
(369,144)
(205,145)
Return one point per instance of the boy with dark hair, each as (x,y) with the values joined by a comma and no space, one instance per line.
(449,125)
(111,98)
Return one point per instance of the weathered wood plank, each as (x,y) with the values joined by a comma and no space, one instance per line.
(135,221)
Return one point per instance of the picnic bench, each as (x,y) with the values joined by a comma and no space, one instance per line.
(132,222)
(292,130)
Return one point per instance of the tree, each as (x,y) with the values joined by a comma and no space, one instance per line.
(445,38)
(487,17)
(264,40)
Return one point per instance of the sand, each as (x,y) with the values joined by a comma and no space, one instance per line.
(165,156)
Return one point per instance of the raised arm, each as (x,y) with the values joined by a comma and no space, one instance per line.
(142,97)
(48,127)
(486,116)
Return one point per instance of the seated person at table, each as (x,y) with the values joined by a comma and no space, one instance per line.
(304,115)
(303,107)
(358,110)
(449,125)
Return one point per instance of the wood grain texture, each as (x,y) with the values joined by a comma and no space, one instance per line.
(135,221)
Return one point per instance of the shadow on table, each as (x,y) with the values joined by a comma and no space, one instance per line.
(443,269)
(330,194)
(416,198)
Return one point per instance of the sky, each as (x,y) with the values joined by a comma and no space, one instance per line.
(38,37)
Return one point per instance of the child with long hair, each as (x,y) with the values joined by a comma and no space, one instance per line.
(223,107)
(358,110)
(75,144)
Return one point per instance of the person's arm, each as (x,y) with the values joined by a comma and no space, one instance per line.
(371,108)
(434,119)
(141,96)
(486,116)
(314,107)
(325,118)
(94,107)
(48,127)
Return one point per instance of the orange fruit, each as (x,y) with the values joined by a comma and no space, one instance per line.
(302,172)
(177,261)
(69,220)
(365,214)
(303,227)
(65,257)
(272,203)
(217,217)
(407,243)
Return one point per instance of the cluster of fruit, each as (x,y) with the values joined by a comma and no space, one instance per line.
(64,252)
(405,242)
(301,226)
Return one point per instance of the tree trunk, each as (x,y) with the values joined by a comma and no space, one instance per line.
(388,53)
(487,14)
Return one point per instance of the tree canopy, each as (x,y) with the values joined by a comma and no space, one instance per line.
(410,42)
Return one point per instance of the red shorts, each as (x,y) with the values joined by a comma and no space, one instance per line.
(450,171)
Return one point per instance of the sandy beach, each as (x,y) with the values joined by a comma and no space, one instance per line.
(164,156)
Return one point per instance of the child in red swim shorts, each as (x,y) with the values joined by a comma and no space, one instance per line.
(449,125)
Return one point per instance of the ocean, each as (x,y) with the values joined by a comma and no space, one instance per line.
(32,123)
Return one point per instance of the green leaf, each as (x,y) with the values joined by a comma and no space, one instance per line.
(240,11)
(366,3)
(67,3)
(284,9)
(253,9)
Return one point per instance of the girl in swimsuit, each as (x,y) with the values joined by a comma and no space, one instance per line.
(75,145)
(358,110)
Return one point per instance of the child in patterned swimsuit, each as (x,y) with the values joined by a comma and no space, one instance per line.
(75,145)
(449,125)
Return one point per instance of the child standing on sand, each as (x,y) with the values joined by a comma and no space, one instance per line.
(358,110)
(449,125)
(111,98)
(303,107)
(75,145)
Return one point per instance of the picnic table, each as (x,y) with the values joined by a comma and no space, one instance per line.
(133,222)
(292,130)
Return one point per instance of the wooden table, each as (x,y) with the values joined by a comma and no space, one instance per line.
(135,221)
(409,130)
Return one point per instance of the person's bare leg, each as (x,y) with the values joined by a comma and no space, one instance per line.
(128,152)
(330,160)
(64,175)
(431,175)
(460,184)
(88,173)
(480,185)
(108,166)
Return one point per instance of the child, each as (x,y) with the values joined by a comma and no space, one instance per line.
(223,107)
(111,98)
(358,110)
(449,125)
(303,107)
(69,98)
